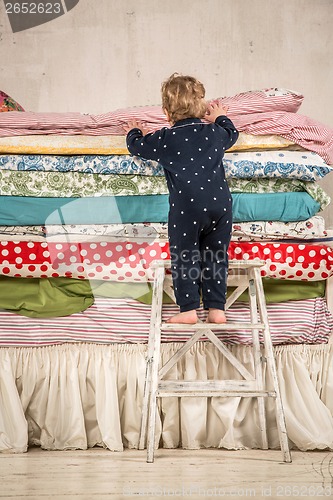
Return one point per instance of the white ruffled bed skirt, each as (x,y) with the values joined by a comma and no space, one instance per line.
(77,396)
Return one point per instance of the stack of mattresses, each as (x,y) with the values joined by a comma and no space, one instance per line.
(77,209)
(81,221)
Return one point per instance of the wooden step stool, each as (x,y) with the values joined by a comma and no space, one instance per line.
(244,275)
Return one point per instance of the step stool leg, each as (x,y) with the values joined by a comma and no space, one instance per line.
(155,333)
(145,400)
(257,360)
(269,352)
(155,319)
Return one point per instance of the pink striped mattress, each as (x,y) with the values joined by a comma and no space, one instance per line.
(127,321)
(129,259)
(270,111)
(246,102)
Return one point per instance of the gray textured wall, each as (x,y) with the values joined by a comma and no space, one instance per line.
(106,54)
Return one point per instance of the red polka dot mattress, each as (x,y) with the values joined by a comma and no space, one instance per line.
(129,260)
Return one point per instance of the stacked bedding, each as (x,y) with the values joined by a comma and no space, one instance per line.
(126,320)
(80,223)
(74,204)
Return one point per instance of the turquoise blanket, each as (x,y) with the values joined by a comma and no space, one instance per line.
(29,211)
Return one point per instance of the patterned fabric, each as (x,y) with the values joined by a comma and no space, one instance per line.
(88,164)
(144,231)
(127,321)
(310,229)
(272,230)
(304,229)
(7,103)
(302,165)
(76,184)
(129,260)
(270,164)
(112,145)
(288,260)
(19,232)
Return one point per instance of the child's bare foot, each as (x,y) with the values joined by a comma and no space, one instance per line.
(188,317)
(216,316)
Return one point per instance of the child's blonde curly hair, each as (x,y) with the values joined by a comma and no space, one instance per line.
(183,97)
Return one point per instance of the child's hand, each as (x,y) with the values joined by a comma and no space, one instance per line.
(215,109)
(135,124)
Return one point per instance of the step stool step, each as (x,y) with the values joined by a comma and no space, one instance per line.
(208,387)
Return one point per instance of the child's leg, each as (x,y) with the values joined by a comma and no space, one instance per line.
(185,267)
(214,251)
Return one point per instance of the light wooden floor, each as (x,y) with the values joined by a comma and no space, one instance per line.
(196,474)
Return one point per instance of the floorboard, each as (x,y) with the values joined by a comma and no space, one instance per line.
(192,474)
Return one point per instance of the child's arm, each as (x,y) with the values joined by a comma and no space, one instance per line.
(140,142)
(217,113)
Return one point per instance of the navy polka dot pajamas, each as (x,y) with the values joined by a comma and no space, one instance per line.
(200,214)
